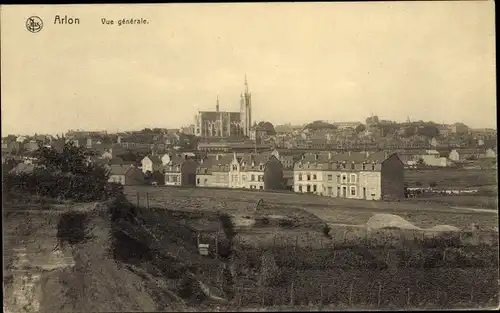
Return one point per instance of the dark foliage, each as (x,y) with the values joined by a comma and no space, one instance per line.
(227,226)
(320,125)
(268,127)
(65,175)
(71,228)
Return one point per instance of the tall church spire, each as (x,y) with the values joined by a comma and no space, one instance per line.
(246,84)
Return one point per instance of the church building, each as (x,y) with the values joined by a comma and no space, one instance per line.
(225,123)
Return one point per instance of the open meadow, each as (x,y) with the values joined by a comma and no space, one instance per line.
(330,210)
(451,178)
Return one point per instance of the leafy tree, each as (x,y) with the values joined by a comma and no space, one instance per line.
(409,131)
(67,175)
(428,130)
(9,164)
(432,184)
(320,125)
(268,127)
(360,128)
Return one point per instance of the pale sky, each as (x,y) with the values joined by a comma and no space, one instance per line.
(304,62)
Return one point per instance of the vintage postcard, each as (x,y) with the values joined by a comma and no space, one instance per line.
(249,157)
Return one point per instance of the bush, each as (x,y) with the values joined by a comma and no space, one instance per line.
(65,175)
(326,231)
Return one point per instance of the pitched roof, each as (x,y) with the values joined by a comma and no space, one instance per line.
(155,159)
(120,169)
(211,163)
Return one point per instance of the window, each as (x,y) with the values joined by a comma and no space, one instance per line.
(198,181)
(344,178)
(243,177)
(330,177)
(261,167)
(308,188)
(364,166)
(373,167)
(300,177)
(252,177)
(205,181)
(261,187)
(353,178)
(353,191)
(314,188)
(353,166)
(235,167)
(330,190)
(300,188)
(261,178)
(343,165)
(315,177)
(308,176)
(338,166)
(167,178)
(174,178)
(338,179)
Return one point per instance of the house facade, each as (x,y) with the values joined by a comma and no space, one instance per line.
(151,163)
(125,175)
(464,154)
(213,171)
(351,175)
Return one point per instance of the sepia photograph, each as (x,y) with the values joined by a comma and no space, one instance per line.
(280,156)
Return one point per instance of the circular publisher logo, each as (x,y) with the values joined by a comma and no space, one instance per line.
(34,24)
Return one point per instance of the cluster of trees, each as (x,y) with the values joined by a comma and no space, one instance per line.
(268,127)
(65,174)
(427,130)
(320,125)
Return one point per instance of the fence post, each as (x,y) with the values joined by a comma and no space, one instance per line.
(408,298)
(379,293)
(291,294)
(217,245)
(262,296)
(350,293)
(321,294)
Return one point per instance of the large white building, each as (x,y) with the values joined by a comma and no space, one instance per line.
(351,175)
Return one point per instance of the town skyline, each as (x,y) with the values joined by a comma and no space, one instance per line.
(336,61)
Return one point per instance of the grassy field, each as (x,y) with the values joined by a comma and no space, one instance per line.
(450,178)
(415,278)
(330,210)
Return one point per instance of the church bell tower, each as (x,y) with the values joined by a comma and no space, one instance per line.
(246,109)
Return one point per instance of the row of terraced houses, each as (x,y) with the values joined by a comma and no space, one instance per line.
(356,175)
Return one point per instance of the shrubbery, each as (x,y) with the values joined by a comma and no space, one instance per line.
(65,175)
